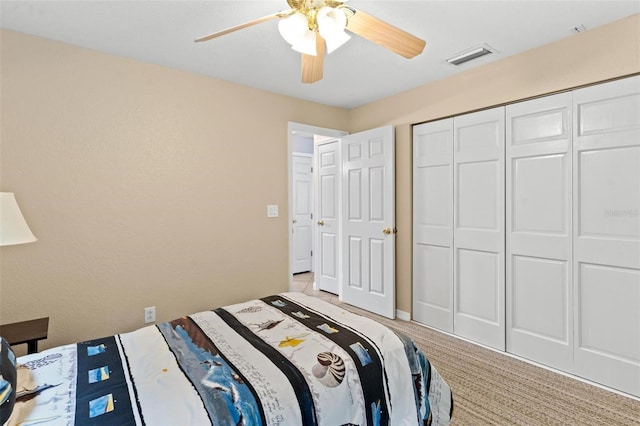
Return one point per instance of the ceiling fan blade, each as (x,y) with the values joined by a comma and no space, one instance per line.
(312,66)
(241,26)
(386,35)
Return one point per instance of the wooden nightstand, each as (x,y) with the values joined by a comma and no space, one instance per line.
(29,332)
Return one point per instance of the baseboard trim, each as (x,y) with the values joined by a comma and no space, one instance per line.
(402,315)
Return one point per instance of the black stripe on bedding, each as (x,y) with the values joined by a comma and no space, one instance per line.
(297,380)
(106,401)
(133,383)
(372,374)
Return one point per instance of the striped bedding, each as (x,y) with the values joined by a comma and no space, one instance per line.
(287,359)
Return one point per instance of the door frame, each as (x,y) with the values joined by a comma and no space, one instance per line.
(294,128)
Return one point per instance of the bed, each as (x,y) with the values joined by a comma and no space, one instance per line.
(286,359)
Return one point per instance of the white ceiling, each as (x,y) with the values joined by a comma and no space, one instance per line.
(162,32)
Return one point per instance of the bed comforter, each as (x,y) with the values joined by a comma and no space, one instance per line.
(287,359)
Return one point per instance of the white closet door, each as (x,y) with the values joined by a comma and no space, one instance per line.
(432,224)
(607,233)
(479,287)
(538,232)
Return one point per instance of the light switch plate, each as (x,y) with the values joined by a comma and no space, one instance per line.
(272,210)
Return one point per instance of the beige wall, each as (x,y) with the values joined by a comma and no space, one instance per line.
(148,186)
(596,55)
(145,186)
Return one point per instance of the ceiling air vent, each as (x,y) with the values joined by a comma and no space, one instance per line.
(470,55)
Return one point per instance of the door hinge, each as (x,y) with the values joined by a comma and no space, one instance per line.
(311,215)
(312,253)
(311,169)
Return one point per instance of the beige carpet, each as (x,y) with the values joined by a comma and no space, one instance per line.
(490,388)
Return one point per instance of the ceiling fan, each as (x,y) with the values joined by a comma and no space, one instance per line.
(314,27)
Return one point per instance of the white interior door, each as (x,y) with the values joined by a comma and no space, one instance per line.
(327,157)
(432,224)
(606,158)
(368,220)
(302,198)
(479,288)
(538,233)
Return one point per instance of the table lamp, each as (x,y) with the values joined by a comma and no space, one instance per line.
(13,227)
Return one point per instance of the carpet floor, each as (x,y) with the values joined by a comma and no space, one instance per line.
(490,388)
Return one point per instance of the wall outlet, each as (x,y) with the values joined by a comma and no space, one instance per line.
(149,314)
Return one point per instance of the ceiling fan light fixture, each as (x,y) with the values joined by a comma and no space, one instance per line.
(307,45)
(315,27)
(293,28)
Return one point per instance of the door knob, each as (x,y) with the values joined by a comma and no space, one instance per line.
(294,221)
(388,231)
(321,222)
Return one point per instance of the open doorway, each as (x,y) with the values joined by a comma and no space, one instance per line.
(353,224)
(301,142)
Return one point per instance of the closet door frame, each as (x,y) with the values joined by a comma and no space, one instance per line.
(593,250)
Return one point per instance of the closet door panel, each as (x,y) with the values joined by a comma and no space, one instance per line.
(479,227)
(432,224)
(538,230)
(476,196)
(535,210)
(540,301)
(599,310)
(433,206)
(609,198)
(478,295)
(432,286)
(607,233)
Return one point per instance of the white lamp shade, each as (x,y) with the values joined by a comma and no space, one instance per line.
(331,25)
(307,45)
(292,28)
(331,19)
(336,40)
(13,227)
